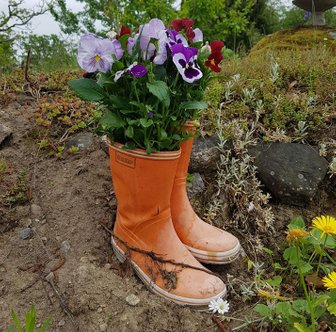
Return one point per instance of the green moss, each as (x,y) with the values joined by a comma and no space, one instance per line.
(295,39)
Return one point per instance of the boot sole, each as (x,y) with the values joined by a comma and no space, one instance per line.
(216,258)
(200,304)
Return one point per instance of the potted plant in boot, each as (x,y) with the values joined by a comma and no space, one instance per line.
(148,85)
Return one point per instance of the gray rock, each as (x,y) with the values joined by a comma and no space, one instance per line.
(61,323)
(5,134)
(195,186)
(132,299)
(65,246)
(26,233)
(83,141)
(291,172)
(204,155)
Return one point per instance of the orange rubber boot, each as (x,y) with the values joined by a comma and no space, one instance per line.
(207,243)
(143,185)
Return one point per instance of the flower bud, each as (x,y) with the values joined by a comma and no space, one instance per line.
(111,34)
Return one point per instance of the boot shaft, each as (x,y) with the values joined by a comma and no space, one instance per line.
(142,183)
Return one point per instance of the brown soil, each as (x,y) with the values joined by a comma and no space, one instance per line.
(75,195)
(67,268)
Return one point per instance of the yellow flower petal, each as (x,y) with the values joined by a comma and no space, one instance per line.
(329,281)
(326,224)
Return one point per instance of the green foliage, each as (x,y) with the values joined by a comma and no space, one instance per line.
(287,88)
(111,13)
(49,53)
(7,54)
(30,322)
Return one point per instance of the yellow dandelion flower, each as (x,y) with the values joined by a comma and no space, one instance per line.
(295,234)
(329,281)
(326,224)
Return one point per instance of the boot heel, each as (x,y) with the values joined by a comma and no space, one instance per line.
(118,252)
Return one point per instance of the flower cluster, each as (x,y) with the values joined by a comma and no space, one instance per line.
(149,83)
(156,43)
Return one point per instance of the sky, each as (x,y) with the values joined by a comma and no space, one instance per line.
(46,25)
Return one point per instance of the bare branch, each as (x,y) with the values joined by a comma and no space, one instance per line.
(18,16)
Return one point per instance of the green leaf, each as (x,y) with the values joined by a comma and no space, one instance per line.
(16,321)
(162,134)
(277,266)
(11,329)
(263,310)
(306,267)
(117,65)
(285,310)
(129,132)
(332,309)
(160,72)
(111,120)
(301,328)
(297,222)
(276,281)
(119,102)
(123,41)
(300,305)
(31,319)
(146,122)
(160,90)
(87,89)
(290,254)
(194,105)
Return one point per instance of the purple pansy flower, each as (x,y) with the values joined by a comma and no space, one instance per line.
(150,114)
(154,29)
(95,53)
(137,71)
(176,38)
(198,35)
(131,42)
(184,59)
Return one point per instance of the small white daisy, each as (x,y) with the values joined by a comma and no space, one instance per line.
(219,306)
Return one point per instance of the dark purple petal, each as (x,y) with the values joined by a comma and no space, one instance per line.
(191,72)
(188,52)
(182,63)
(150,114)
(138,71)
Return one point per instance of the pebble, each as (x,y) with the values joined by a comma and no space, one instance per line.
(100,309)
(44,239)
(132,299)
(65,246)
(61,323)
(103,327)
(25,233)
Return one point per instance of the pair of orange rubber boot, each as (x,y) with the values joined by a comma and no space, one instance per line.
(155,216)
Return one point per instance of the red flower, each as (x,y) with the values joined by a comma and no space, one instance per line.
(216,46)
(124,31)
(216,56)
(186,25)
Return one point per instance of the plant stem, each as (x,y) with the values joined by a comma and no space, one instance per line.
(303,283)
(320,260)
